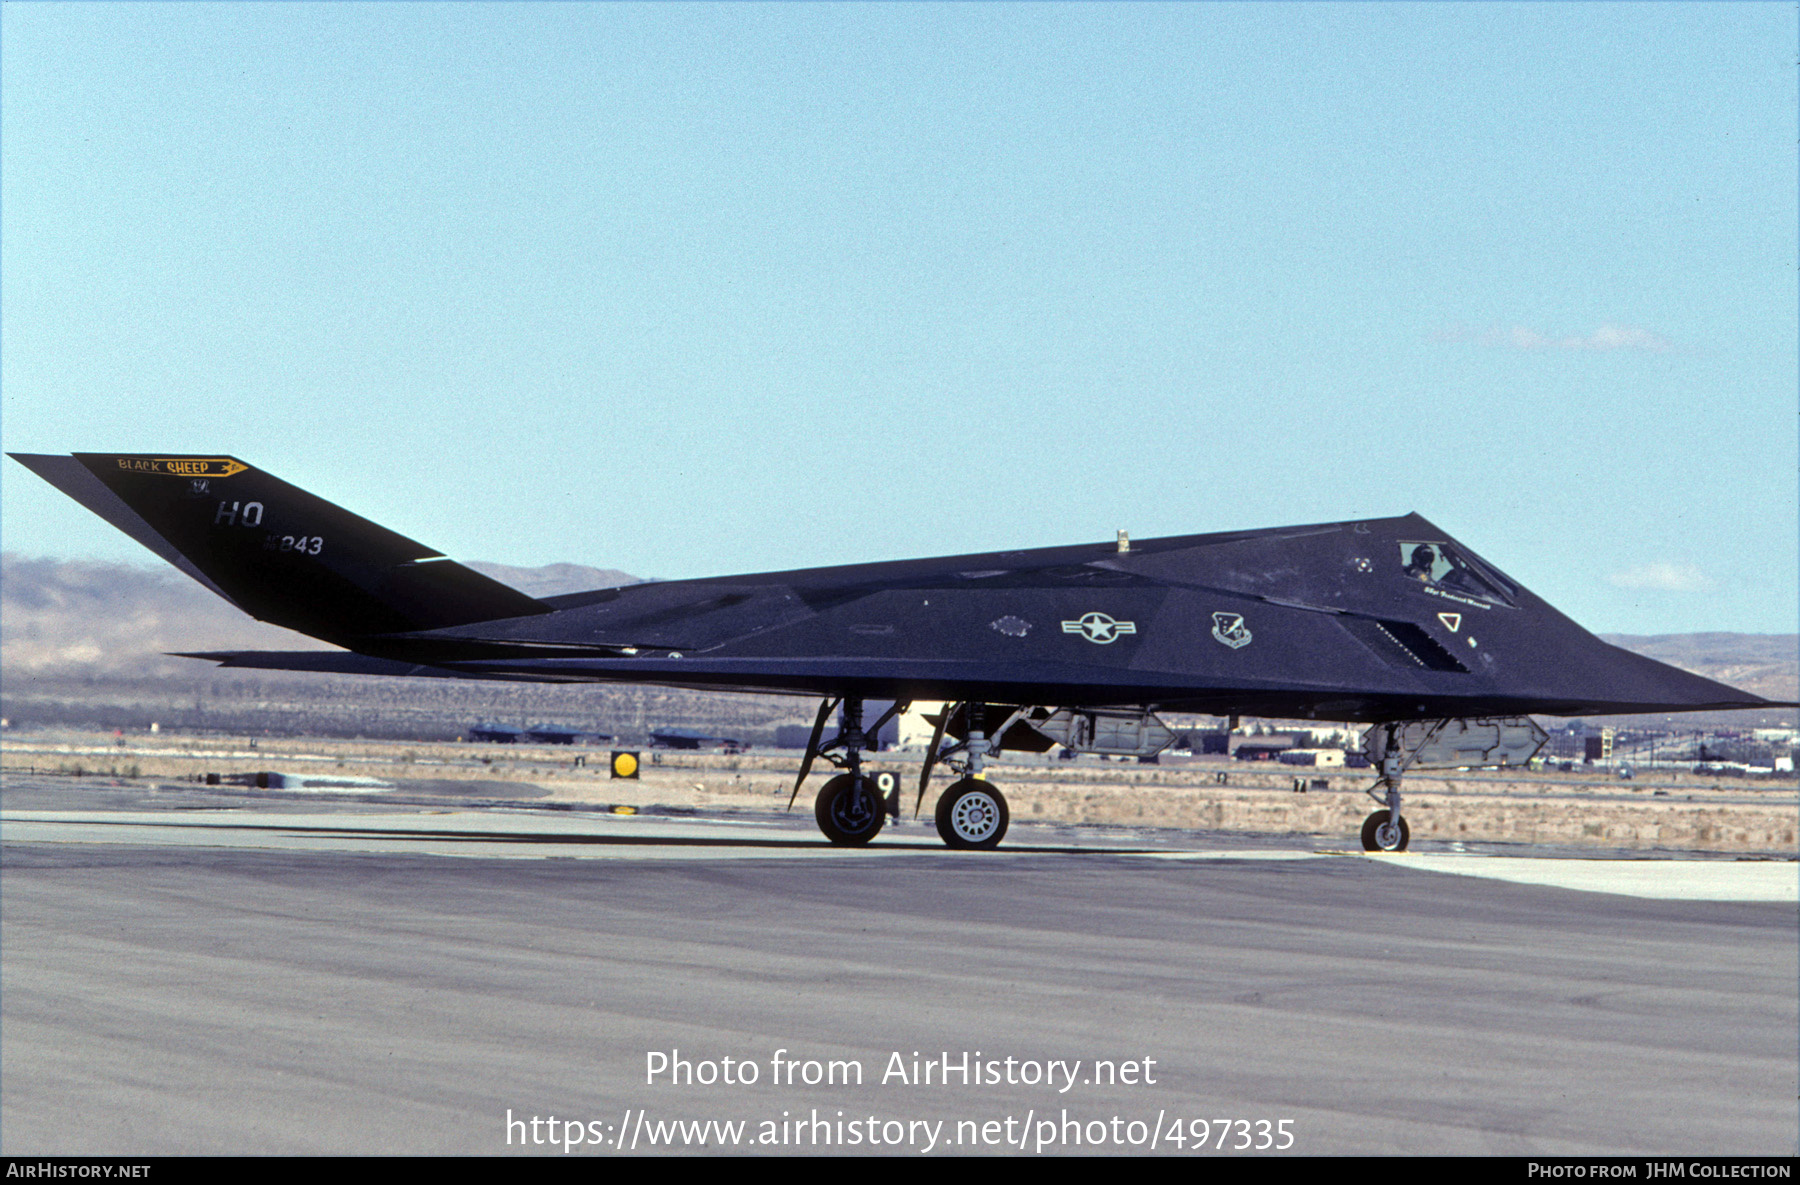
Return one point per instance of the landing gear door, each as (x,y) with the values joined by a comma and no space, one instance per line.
(1498,741)
(1125,734)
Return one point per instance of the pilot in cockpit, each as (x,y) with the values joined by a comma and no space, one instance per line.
(1423,559)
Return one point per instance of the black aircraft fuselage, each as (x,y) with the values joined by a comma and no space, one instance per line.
(1379,620)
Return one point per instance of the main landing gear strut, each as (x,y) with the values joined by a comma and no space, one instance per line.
(971,813)
(849,810)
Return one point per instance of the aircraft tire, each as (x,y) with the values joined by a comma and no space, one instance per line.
(838,818)
(972,814)
(1371,840)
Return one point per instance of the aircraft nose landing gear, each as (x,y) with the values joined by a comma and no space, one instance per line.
(1383,832)
(1386,830)
(1503,742)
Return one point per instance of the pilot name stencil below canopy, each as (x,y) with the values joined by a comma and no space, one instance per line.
(1388,622)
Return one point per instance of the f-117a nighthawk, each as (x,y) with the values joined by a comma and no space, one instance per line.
(1389,622)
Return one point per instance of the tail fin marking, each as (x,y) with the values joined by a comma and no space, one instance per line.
(277,552)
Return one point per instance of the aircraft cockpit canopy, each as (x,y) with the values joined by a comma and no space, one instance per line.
(1439,565)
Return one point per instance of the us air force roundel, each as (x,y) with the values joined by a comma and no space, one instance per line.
(1099,628)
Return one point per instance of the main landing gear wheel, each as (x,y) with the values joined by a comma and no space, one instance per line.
(847,817)
(972,814)
(1379,835)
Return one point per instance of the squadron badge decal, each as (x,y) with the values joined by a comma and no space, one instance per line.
(1229,628)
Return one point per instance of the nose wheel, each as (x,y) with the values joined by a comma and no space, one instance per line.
(1382,832)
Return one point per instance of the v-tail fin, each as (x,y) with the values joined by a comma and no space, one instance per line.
(279,553)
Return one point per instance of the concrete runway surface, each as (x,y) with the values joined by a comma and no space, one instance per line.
(203,971)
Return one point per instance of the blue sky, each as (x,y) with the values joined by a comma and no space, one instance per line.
(687,290)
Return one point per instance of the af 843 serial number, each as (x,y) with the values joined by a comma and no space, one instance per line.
(302,544)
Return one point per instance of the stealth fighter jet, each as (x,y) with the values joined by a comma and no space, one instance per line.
(1388,622)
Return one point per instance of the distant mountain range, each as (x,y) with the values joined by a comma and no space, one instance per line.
(74,617)
(553,580)
(1763,664)
(84,619)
